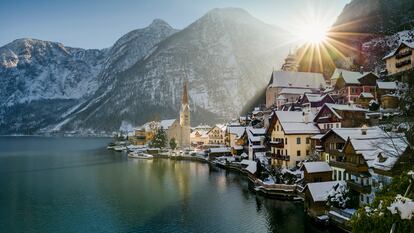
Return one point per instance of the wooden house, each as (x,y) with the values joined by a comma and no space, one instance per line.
(316,195)
(316,172)
(332,116)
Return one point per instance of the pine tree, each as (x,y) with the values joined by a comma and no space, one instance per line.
(160,139)
(173,144)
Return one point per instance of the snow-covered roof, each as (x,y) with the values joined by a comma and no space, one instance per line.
(255,134)
(202,133)
(298,79)
(220,150)
(251,165)
(352,77)
(294,123)
(281,97)
(320,190)
(295,91)
(343,107)
(315,167)
(237,130)
(389,147)
(223,127)
(387,85)
(366,95)
(392,53)
(166,124)
(317,136)
(356,133)
(314,97)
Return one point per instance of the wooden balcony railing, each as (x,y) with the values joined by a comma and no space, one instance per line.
(277,156)
(358,187)
(404,54)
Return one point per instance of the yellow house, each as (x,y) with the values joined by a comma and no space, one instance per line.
(289,134)
(401,59)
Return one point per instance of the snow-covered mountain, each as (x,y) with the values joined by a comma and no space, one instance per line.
(227,56)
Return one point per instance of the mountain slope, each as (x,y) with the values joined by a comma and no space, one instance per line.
(226,55)
(40,80)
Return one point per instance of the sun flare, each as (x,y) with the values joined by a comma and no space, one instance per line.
(312,33)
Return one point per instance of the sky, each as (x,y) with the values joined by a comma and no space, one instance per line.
(99,23)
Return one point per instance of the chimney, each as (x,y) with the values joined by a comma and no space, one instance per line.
(364,130)
(305,117)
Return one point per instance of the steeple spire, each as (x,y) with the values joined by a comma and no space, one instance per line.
(185,93)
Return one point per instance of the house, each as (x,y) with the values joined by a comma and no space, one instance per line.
(401,59)
(368,159)
(332,116)
(235,138)
(255,141)
(289,138)
(364,99)
(199,137)
(387,94)
(334,141)
(144,134)
(314,102)
(217,135)
(319,171)
(316,195)
(285,80)
(349,85)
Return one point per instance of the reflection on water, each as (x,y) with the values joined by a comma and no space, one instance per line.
(75,185)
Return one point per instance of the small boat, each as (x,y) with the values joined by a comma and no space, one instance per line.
(119,148)
(140,155)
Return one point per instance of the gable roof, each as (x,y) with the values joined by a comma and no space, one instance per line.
(297,80)
(340,107)
(295,91)
(387,85)
(166,124)
(320,190)
(315,167)
(237,130)
(293,122)
(366,95)
(392,53)
(356,133)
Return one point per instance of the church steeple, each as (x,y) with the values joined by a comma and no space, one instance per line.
(184,100)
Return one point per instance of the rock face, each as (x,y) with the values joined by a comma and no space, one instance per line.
(226,56)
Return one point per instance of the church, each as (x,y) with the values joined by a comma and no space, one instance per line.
(180,130)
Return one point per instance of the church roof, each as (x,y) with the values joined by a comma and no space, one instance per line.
(297,79)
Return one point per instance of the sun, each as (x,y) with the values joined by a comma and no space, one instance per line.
(312,32)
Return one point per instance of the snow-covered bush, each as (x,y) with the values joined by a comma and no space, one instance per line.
(339,196)
(402,206)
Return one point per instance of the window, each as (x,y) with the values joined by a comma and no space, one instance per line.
(277,127)
(307,140)
(298,141)
(298,153)
(286,152)
(337,125)
(285,141)
(339,175)
(367,199)
(307,152)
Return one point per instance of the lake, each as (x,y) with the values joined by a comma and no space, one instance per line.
(55,184)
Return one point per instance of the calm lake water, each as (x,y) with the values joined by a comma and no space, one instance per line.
(76,185)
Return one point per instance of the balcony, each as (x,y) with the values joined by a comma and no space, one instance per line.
(276,144)
(334,163)
(402,63)
(278,157)
(356,168)
(404,54)
(358,187)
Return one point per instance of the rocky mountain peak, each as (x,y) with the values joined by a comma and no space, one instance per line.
(159,23)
